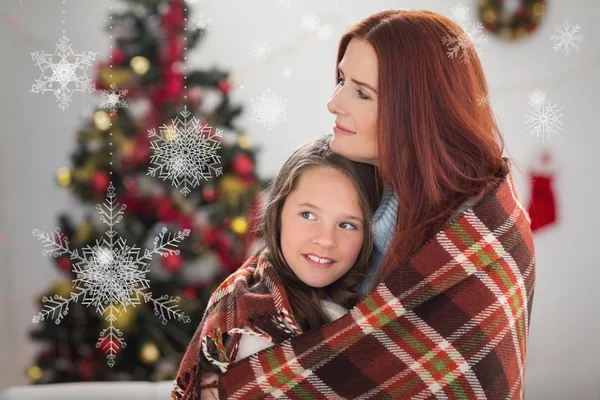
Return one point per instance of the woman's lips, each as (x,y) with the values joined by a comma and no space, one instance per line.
(343,131)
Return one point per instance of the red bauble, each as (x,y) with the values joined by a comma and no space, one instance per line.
(64,263)
(172,262)
(87,368)
(224,87)
(186,222)
(100,182)
(108,345)
(118,57)
(243,164)
(209,194)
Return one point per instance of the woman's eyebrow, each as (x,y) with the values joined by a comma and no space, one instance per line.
(305,204)
(359,82)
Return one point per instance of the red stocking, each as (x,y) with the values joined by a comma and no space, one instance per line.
(542,208)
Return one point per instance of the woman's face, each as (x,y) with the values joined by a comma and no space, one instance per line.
(354,104)
(322,218)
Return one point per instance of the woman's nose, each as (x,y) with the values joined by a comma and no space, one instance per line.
(333,104)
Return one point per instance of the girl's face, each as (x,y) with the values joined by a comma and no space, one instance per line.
(354,103)
(322,218)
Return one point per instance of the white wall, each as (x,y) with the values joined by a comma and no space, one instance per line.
(37,137)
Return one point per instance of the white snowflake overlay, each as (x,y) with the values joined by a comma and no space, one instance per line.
(110,276)
(113,99)
(269,110)
(472,37)
(261,50)
(567,38)
(70,69)
(312,24)
(186,152)
(288,2)
(542,117)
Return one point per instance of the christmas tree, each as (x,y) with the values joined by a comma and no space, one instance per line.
(162,164)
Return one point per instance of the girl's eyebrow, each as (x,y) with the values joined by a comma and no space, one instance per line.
(305,204)
(359,82)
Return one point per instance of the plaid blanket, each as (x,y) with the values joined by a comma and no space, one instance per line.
(451,322)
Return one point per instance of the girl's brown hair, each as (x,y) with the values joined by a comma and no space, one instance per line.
(306,300)
(438,143)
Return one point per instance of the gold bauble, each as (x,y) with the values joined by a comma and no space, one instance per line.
(231,185)
(34,373)
(244,141)
(124,320)
(83,233)
(140,65)
(122,77)
(61,288)
(239,225)
(129,148)
(149,353)
(63,176)
(489,16)
(102,120)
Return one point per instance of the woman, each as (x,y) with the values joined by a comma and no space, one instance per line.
(449,292)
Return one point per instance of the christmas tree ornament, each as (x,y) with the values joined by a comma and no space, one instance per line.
(61,288)
(140,65)
(100,182)
(63,176)
(102,120)
(149,353)
(83,233)
(172,262)
(243,164)
(239,225)
(244,141)
(64,263)
(34,373)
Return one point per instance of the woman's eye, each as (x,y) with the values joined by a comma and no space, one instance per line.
(362,95)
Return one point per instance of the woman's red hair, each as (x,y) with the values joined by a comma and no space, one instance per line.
(438,144)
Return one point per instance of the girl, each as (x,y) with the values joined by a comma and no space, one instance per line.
(316,231)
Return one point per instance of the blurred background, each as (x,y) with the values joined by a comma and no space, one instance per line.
(253,78)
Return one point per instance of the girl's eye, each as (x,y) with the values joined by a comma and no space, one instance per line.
(304,213)
(348,223)
(352,226)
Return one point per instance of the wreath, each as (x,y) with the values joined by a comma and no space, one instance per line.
(511,25)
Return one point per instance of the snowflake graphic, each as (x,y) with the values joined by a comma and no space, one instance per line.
(185,152)
(203,23)
(310,22)
(110,276)
(483,99)
(324,32)
(261,50)
(567,38)
(288,3)
(472,34)
(113,99)
(63,73)
(542,116)
(269,110)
